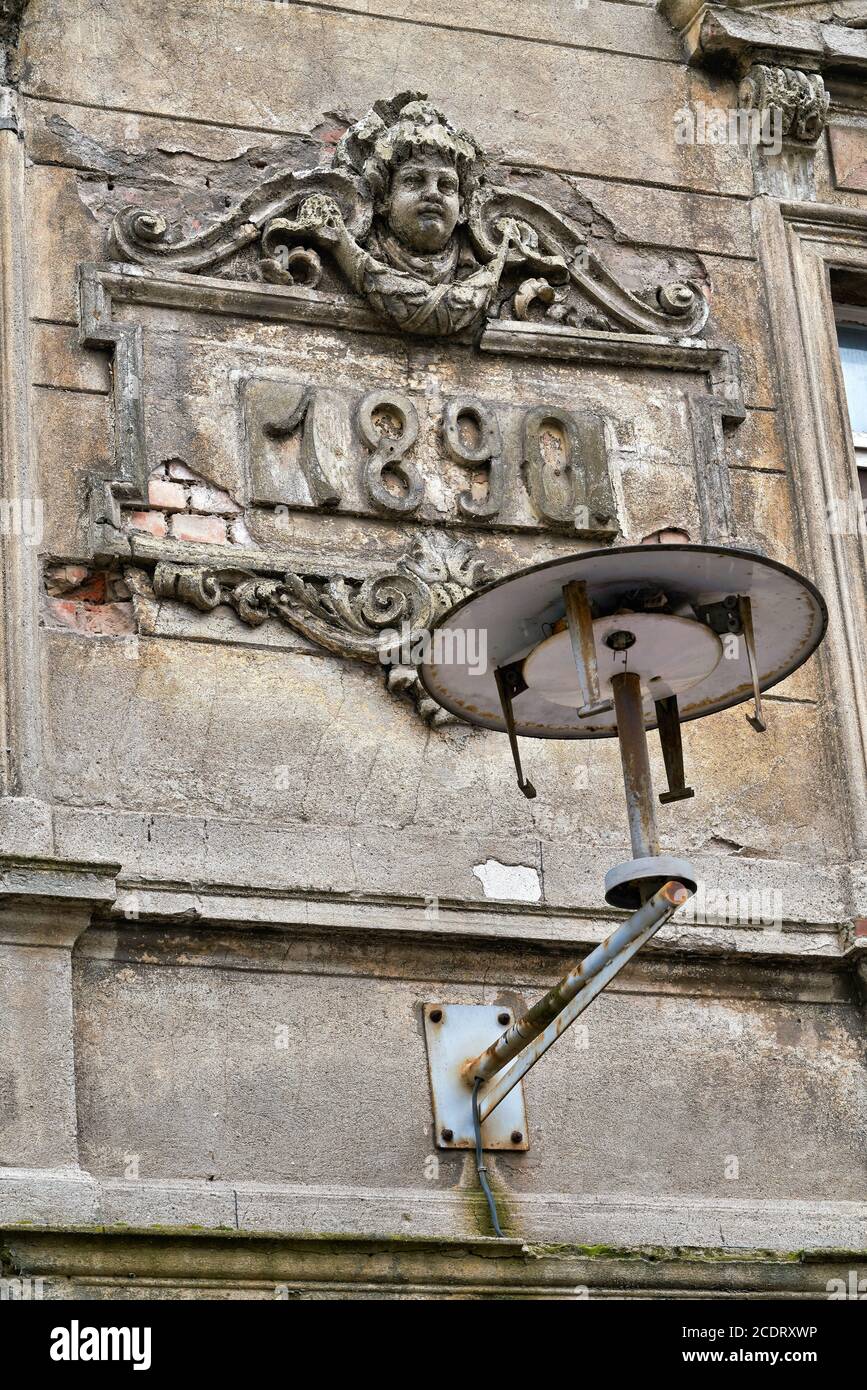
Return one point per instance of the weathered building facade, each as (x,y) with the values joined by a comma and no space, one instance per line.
(314,320)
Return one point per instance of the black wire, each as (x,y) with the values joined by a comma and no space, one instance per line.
(480,1158)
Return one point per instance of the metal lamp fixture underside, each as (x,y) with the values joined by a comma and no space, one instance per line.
(511,619)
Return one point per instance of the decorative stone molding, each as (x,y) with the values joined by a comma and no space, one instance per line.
(735,36)
(347,616)
(716,402)
(351,617)
(799,243)
(779,61)
(406,230)
(412,225)
(799,98)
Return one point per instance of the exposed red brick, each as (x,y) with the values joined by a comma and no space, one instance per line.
(172,497)
(210,529)
(94,591)
(154,522)
(105,619)
(860,925)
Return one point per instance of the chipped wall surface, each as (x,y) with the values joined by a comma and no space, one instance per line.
(241,848)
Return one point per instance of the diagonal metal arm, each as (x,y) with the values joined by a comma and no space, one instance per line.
(550,1016)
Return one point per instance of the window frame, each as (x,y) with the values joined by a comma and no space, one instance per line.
(855,314)
(799,245)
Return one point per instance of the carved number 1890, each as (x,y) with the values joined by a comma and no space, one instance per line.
(563,454)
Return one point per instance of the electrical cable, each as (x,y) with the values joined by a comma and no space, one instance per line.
(480,1158)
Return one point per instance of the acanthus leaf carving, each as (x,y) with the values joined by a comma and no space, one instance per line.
(380,619)
(410,219)
(556,250)
(143,238)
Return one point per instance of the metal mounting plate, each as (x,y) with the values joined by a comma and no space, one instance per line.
(460,1032)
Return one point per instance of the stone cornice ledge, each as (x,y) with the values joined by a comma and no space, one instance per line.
(24,877)
(517,925)
(784,1234)
(49,902)
(816,220)
(819,903)
(735,36)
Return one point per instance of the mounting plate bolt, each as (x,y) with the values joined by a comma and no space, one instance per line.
(436,1015)
(448,1135)
(517,1136)
(503,1017)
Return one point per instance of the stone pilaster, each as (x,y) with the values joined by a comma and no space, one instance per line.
(44,908)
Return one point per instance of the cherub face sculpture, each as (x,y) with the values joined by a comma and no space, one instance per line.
(419,168)
(424,202)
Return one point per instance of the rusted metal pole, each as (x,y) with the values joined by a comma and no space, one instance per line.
(653,913)
(632,737)
(579,620)
(509,1076)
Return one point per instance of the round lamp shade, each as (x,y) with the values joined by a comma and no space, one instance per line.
(665,612)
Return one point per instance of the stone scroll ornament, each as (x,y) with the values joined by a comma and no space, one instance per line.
(386,618)
(411,221)
(798,100)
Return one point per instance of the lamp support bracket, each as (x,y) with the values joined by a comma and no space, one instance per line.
(453,1031)
(510,682)
(756,720)
(668,724)
(579,620)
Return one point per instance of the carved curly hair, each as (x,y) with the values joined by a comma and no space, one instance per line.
(393,131)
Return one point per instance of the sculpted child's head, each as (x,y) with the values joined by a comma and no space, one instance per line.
(419,168)
(424,202)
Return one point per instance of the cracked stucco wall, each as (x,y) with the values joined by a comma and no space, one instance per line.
(303,861)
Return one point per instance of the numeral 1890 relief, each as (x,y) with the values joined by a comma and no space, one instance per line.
(458,460)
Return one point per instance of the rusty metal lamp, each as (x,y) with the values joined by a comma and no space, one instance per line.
(604,644)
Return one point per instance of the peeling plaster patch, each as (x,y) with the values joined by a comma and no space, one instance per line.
(513,882)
